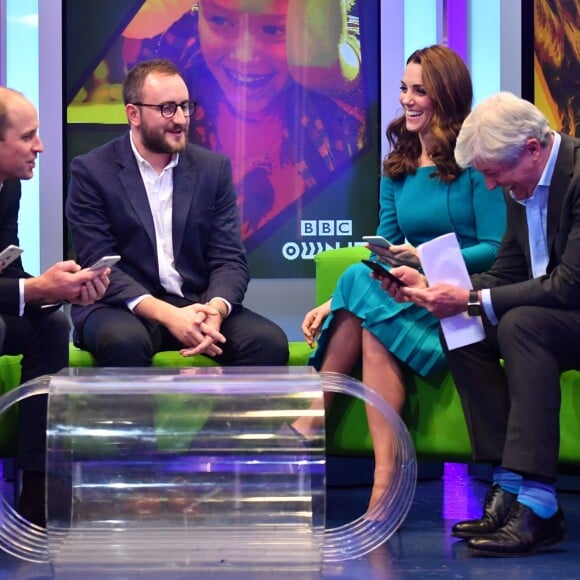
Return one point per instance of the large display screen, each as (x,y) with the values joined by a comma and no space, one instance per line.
(287,89)
(551,61)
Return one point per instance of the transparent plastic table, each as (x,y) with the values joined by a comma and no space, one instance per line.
(196,470)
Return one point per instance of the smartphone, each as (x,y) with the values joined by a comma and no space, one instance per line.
(379,269)
(47,308)
(377,241)
(105,262)
(9,254)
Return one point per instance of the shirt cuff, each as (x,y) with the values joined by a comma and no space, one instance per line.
(487,306)
(134,302)
(21,304)
(226,302)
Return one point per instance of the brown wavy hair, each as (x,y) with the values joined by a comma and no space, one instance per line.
(447,83)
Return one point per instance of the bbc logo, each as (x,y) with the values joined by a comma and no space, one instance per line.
(326,227)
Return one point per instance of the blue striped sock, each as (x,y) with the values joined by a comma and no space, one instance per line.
(508,480)
(539,497)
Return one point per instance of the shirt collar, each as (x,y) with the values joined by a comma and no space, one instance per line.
(143,162)
(546,177)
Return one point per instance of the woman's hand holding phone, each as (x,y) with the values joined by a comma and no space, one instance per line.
(377,241)
(403,255)
(379,246)
(394,255)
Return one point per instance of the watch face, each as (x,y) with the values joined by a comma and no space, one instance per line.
(473,304)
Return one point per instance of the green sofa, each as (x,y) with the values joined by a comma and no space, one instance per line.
(432,412)
(9,378)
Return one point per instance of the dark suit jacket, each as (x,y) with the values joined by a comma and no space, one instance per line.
(9,207)
(108,213)
(510,277)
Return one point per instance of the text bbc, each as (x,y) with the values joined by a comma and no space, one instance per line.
(321,228)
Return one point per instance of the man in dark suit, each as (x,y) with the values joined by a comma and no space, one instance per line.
(31,323)
(529,302)
(168,208)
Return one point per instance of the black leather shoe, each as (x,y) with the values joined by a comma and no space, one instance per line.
(495,511)
(522,534)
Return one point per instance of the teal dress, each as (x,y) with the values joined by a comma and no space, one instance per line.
(419,208)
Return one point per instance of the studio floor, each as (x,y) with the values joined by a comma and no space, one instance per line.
(422,548)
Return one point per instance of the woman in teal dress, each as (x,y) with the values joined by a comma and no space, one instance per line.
(423,194)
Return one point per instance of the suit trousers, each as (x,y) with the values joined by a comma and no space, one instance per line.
(512,411)
(43,341)
(118,338)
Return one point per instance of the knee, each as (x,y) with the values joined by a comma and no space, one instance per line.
(124,350)
(120,347)
(274,348)
(56,327)
(282,350)
(354,271)
(518,324)
(267,348)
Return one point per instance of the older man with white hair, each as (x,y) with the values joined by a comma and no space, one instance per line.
(529,302)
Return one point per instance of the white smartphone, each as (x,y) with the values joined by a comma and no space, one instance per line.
(9,254)
(105,262)
(377,241)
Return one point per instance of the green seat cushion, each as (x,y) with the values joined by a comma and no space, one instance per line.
(570,418)
(299,353)
(9,379)
(330,264)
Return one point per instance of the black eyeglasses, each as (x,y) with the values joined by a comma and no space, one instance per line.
(167,110)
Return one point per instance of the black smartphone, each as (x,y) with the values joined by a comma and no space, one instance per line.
(380,270)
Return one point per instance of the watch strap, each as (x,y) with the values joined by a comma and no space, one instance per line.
(473,304)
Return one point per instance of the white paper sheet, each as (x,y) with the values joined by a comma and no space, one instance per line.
(442,261)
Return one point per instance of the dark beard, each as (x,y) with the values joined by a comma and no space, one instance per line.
(155,142)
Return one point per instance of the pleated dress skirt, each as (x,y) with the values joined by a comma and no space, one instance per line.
(407,331)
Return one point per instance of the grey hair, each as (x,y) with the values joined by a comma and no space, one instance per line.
(497,130)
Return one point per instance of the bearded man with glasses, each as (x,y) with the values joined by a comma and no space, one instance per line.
(167,110)
(168,208)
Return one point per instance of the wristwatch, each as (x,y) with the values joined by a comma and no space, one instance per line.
(473,304)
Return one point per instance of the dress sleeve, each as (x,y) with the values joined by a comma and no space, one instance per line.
(388,224)
(490,220)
